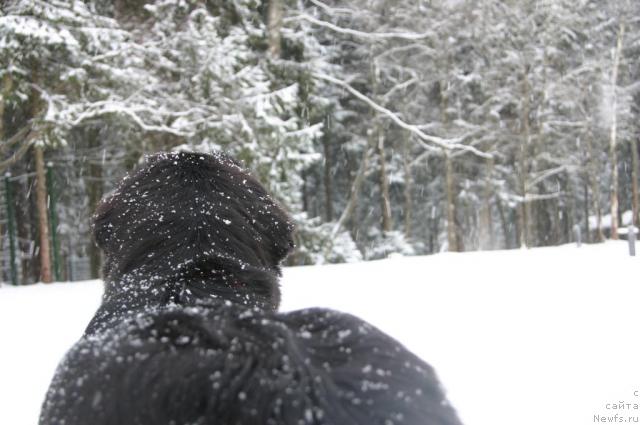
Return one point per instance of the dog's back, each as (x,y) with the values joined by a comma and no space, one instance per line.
(225,364)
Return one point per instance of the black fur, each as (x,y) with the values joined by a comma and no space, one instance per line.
(188,227)
(187,333)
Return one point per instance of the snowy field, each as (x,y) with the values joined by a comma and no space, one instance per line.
(543,336)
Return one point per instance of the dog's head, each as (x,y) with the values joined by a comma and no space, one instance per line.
(195,217)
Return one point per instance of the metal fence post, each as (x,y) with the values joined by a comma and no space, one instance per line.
(631,237)
(11,229)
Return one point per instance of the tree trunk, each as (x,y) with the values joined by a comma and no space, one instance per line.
(569,210)
(504,223)
(7,85)
(385,201)
(408,184)
(452,239)
(536,235)
(613,134)
(43,221)
(434,231)
(95,188)
(458,218)
(587,234)
(305,197)
(634,181)
(595,188)
(274,28)
(450,187)
(486,237)
(2,255)
(556,222)
(523,218)
(376,136)
(328,165)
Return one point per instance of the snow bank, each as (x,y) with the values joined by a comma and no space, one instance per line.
(541,336)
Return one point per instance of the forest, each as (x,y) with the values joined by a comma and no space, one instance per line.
(384,127)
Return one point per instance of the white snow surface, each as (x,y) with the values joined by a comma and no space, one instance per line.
(541,336)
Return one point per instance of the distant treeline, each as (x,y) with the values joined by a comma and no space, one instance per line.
(384,127)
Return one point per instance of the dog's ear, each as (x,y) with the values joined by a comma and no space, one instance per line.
(101,226)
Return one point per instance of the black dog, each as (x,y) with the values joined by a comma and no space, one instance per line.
(188,333)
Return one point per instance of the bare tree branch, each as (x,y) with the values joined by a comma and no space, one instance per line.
(423,138)
(356,33)
(332,10)
(26,135)
(15,138)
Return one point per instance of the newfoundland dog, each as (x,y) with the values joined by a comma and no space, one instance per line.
(188,331)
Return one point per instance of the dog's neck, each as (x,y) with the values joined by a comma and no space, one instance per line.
(141,290)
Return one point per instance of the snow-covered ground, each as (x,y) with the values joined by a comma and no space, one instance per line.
(543,336)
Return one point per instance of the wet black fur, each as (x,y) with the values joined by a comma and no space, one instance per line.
(188,333)
(188,220)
